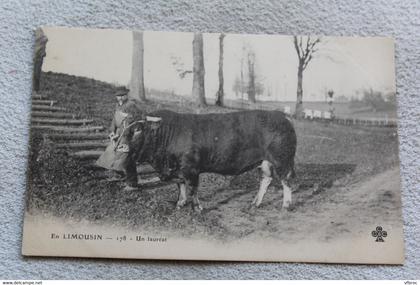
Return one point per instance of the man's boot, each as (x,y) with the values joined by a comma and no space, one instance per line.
(131,183)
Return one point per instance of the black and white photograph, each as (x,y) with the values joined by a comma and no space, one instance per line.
(213,146)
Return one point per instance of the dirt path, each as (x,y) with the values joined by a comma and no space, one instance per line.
(332,213)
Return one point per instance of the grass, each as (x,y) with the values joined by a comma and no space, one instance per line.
(62,186)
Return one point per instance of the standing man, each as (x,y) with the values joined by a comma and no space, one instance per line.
(116,156)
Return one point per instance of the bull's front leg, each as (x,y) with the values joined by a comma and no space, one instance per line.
(182,197)
(189,167)
(194,193)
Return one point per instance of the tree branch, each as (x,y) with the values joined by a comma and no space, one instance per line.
(312,45)
(295,41)
(305,64)
(302,52)
(182,74)
(310,50)
(305,50)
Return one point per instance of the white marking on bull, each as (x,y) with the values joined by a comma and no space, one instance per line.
(265,182)
(182,199)
(287,195)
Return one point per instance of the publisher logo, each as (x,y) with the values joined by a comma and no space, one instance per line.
(379,234)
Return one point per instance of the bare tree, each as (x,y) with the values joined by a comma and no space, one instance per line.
(198,90)
(40,46)
(242,78)
(252,85)
(251,77)
(137,68)
(238,87)
(305,48)
(220,92)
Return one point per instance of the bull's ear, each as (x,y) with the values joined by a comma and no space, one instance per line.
(154,122)
(137,125)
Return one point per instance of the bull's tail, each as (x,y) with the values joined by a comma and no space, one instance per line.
(292,173)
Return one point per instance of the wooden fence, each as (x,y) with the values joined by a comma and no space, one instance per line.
(314,115)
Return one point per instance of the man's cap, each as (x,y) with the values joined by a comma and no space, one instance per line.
(121,92)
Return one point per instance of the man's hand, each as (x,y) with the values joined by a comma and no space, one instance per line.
(123,148)
(113,136)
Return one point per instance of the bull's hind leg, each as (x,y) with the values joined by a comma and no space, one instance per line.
(287,194)
(287,191)
(266,170)
(196,203)
(194,179)
(182,197)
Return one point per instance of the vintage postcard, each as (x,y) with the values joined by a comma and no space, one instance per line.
(213,146)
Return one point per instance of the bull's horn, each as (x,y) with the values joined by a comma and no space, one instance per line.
(153,119)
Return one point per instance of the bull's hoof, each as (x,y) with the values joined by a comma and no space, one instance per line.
(254,201)
(287,206)
(180,204)
(252,209)
(258,204)
(115,179)
(129,188)
(197,208)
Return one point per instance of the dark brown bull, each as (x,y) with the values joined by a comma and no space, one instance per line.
(182,146)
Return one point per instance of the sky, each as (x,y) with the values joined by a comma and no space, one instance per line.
(343,64)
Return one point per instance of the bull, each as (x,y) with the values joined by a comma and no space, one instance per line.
(182,146)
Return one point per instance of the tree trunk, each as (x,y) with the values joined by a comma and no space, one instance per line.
(40,46)
(299,95)
(305,51)
(137,73)
(251,83)
(251,90)
(241,88)
(198,91)
(220,93)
